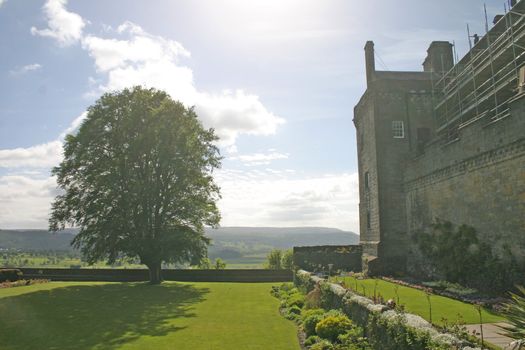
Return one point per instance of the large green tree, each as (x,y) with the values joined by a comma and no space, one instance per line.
(137,179)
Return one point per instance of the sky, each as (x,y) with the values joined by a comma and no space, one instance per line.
(277,79)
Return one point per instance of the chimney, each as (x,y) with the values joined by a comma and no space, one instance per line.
(439,57)
(370,62)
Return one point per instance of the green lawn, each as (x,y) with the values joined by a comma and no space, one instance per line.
(81,315)
(415,301)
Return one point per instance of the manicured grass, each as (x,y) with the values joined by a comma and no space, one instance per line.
(415,301)
(81,315)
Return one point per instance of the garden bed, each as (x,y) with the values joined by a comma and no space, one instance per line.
(418,301)
(386,327)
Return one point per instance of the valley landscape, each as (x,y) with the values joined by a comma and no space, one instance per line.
(239,247)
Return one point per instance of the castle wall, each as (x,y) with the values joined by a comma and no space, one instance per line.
(381,155)
(369,226)
(478,180)
(391,155)
(412,107)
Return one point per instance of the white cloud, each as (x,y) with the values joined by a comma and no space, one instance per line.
(45,155)
(136,57)
(25,201)
(148,60)
(40,156)
(280,198)
(2,2)
(26,194)
(233,114)
(26,69)
(141,48)
(260,158)
(63,26)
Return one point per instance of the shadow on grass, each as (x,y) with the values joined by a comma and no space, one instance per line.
(102,316)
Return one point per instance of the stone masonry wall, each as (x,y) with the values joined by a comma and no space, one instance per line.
(319,258)
(367,160)
(478,180)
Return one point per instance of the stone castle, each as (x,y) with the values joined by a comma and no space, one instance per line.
(447,143)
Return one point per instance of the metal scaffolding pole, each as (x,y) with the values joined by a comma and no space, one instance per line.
(489,46)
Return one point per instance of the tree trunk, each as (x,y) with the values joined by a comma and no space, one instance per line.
(155,273)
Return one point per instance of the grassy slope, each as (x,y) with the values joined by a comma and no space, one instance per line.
(415,301)
(138,316)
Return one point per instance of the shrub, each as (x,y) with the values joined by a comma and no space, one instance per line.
(304,281)
(290,314)
(310,322)
(284,291)
(296,299)
(454,288)
(322,345)
(20,283)
(274,259)
(459,256)
(354,339)
(333,326)
(219,264)
(311,340)
(295,310)
(514,312)
(334,312)
(287,259)
(10,275)
(392,333)
(310,312)
(287,287)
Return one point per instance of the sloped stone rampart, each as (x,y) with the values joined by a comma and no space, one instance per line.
(386,329)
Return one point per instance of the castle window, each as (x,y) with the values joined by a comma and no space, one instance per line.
(368,224)
(398,129)
(366,180)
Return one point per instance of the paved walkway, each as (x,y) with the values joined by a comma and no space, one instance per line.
(490,334)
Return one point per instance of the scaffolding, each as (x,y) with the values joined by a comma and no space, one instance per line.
(483,82)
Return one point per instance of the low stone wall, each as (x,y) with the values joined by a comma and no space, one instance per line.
(135,275)
(386,329)
(342,257)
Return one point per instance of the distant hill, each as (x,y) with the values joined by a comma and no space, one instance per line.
(283,237)
(36,240)
(228,239)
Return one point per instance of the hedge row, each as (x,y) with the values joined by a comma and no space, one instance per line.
(385,329)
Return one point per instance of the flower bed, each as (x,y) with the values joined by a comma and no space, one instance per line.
(451,290)
(319,329)
(21,283)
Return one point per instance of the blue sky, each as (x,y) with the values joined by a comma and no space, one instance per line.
(277,79)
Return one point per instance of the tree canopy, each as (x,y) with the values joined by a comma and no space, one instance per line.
(137,179)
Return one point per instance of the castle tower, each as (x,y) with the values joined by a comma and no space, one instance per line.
(394,110)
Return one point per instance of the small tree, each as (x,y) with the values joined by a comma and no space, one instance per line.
(274,259)
(137,180)
(219,264)
(287,259)
(204,264)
